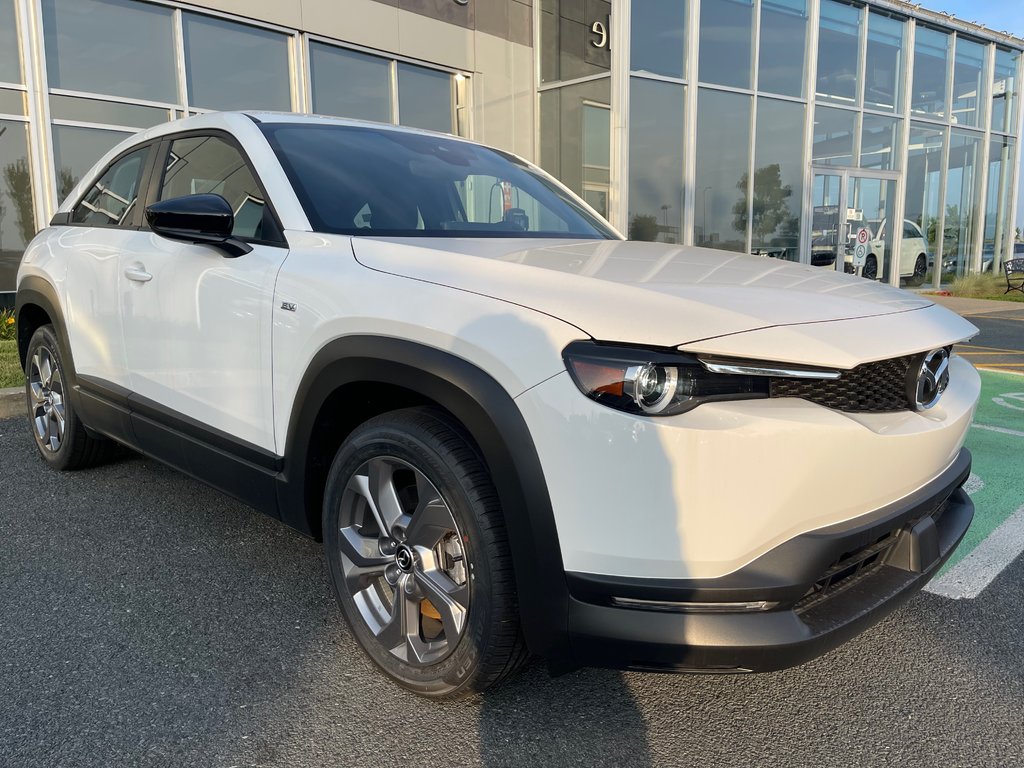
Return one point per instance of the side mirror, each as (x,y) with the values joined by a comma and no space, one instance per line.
(206,219)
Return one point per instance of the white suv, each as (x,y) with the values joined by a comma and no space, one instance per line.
(515,432)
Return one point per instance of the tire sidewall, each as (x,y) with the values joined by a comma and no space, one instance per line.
(383,437)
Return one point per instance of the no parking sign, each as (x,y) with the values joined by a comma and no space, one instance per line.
(860,251)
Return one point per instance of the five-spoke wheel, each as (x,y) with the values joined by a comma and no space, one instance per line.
(46,391)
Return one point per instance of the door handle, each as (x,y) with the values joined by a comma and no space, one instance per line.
(138,273)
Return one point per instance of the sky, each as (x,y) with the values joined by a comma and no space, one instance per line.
(1000,15)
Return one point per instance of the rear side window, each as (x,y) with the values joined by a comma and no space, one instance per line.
(111,200)
(209,164)
(910,230)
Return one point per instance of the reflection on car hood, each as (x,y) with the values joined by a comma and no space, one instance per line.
(641,293)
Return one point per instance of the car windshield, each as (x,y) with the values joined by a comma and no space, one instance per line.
(357,180)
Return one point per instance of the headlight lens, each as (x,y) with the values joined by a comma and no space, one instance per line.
(653,382)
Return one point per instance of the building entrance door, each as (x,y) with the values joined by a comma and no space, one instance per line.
(852,223)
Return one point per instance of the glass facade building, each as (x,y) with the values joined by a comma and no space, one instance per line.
(793,129)
(784,128)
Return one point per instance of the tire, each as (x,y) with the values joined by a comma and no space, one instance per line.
(426,581)
(870,271)
(920,269)
(60,436)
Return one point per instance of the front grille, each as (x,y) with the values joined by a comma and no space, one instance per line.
(848,570)
(878,387)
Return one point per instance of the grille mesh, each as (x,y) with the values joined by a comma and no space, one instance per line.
(869,388)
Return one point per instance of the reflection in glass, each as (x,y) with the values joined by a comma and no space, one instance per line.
(998,219)
(783,47)
(568,45)
(968,64)
(1004,91)
(12,102)
(778,177)
(658,36)
(833,136)
(879,137)
(883,66)
(111,200)
(349,84)
(726,42)
(234,66)
(656,160)
(572,136)
(723,160)
(10,65)
(76,150)
(869,206)
(425,98)
(109,112)
(596,156)
(838,52)
(923,180)
(114,47)
(961,212)
(931,51)
(17,220)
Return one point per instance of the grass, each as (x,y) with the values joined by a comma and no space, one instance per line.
(985,286)
(11,374)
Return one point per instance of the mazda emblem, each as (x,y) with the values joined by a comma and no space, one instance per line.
(927,379)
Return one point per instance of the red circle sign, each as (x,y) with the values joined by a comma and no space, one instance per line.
(862,235)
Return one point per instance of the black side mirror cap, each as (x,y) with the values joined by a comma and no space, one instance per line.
(205,219)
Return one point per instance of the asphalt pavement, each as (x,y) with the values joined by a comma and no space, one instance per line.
(146,620)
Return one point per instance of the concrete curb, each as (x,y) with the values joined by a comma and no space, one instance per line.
(12,402)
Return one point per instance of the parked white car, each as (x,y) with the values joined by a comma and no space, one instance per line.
(913,252)
(515,432)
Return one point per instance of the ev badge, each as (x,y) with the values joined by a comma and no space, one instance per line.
(926,382)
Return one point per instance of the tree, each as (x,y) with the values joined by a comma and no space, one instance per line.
(769,210)
(643,227)
(19,188)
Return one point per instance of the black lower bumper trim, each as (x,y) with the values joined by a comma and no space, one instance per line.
(926,530)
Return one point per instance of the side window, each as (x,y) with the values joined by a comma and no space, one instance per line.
(208,164)
(111,200)
(910,230)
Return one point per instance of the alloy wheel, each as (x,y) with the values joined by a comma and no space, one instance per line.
(46,387)
(403,560)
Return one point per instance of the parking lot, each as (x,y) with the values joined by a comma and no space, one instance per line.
(147,620)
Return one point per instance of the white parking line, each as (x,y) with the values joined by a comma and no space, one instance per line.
(970,576)
(1001,430)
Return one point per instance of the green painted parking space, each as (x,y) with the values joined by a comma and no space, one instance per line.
(996,441)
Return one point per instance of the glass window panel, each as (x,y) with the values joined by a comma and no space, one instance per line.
(783,47)
(569,148)
(967,68)
(838,52)
(656,160)
(425,98)
(723,164)
(1004,91)
(233,66)
(116,47)
(997,244)
(569,47)
(778,179)
(658,36)
(17,214)
(961,214)
(833,136)
(879,137)
(111,200)
(76,150)
(109,112)
(923,179)
(208,164)
(349,83)
(726,42)
(12,102)
(10,64)
(884,63)
(596,156)
(928,91)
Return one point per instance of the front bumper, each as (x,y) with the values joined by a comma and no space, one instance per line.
(830,584)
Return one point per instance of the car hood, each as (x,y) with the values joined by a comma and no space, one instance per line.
(658,294)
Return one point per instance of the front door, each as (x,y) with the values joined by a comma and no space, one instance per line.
(198,324)
(850,223)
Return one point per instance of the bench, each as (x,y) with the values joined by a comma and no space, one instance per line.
(1014,269)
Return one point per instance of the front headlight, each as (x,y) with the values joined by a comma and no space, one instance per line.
(653,382)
